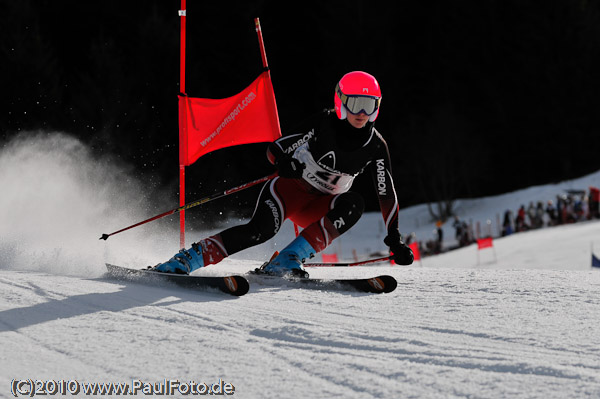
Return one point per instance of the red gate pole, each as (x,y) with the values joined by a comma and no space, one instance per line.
(263,55)
(182,126)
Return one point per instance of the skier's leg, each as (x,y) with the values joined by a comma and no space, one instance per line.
(265,223)
(277,199)
(345,210)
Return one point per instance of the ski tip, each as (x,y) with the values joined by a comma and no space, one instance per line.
(237,285)
(104,237)
(383,284)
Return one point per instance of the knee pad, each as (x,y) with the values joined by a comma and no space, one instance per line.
(347,208)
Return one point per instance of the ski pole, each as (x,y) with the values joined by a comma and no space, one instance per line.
(192,204)
(350,264)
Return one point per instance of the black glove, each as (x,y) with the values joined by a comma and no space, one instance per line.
(290,168)
(401,253)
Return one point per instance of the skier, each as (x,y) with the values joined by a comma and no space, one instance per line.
(316,170)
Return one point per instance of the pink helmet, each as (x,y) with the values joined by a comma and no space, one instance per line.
(357,92)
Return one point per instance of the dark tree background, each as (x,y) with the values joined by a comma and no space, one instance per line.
(479,96)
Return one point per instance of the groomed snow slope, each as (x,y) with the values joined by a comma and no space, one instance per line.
(523,324)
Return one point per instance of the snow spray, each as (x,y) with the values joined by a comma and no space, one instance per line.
(57,197)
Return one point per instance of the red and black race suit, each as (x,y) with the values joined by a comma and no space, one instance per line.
(333,153)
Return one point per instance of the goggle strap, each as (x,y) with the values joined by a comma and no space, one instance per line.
(341,95)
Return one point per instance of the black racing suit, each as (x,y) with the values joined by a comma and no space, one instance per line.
(334,153)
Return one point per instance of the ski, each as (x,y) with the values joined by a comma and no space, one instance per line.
(374,285)
(233,285)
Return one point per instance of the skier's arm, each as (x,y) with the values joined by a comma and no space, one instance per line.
(381,172)
(280,152)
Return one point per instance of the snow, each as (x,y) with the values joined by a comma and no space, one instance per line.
(523,323)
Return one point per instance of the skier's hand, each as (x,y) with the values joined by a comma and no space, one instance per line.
(290,168)
(401,253)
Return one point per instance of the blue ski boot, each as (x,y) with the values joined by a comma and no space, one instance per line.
(184,261)
(203,253)
(290,259)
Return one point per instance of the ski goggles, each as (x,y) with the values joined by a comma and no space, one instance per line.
(356,104)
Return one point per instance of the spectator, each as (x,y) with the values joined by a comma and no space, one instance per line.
(578,209)
(594,199)
(520,223)
(507,227)
(539,215)
(462,232)
(560,204)
(567,210)
(532,215)
(458,228)
(551,211)
(440,236)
